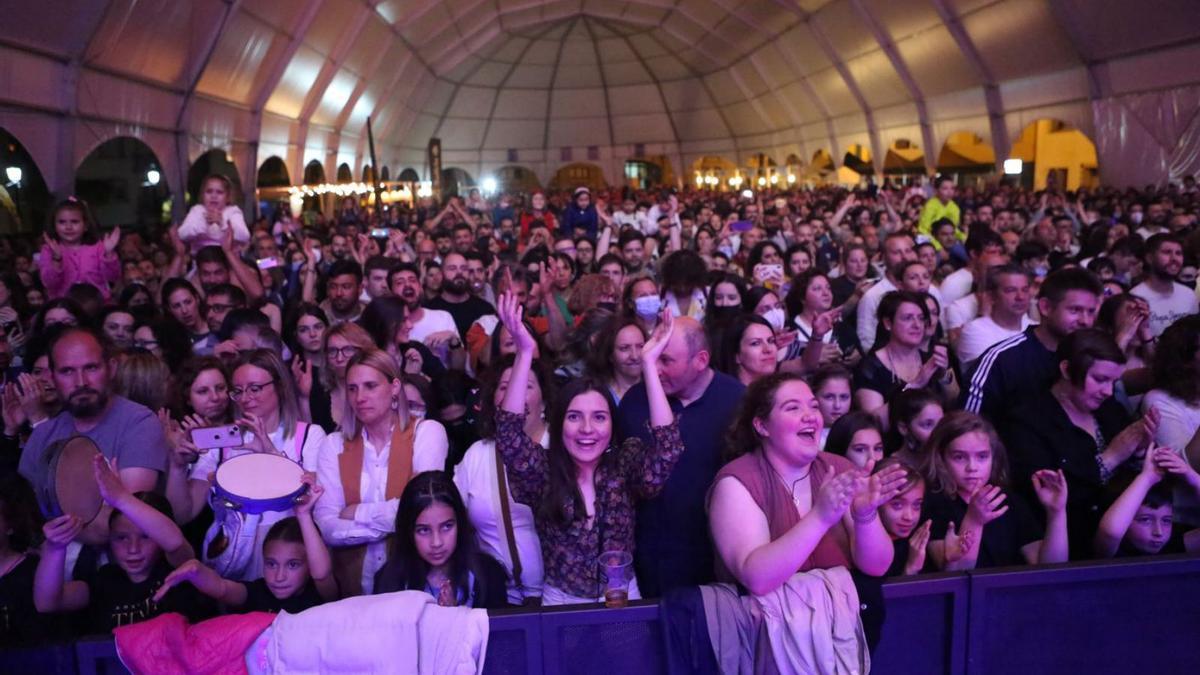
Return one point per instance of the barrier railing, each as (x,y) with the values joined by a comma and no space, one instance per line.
(1139,616)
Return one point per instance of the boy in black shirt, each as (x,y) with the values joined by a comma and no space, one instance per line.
(145,544)
(1141,520)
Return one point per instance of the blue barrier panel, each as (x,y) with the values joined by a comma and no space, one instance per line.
(98,656)
(1118,618)
(51,659)
(925,629)
(595,640)
(514,642)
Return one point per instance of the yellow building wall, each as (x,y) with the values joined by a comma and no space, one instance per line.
(1052,146)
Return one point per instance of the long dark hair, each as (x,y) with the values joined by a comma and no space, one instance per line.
(888,306)
(424,490)
(563,502)
(600,358)
(731,342)
(1174,368)
(842,432)
(486,424)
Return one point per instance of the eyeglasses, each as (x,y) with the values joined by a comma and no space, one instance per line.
(346,352)
(219,307)
(254,390)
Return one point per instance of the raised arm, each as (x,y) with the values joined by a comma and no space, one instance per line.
(1051,489)
(50,592)
(526,460)
(320,565)
(870,545)
(161,529)
(1120,515)
(245,276)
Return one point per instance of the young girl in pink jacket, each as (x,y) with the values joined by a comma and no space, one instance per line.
(74,252)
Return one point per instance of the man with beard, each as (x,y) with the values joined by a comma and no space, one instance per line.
(82,367)
(1169,300)
(342,291)
(456,295)
(430,326)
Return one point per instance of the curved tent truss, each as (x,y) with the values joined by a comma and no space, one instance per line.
(543,83)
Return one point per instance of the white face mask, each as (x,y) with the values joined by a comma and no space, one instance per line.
(1136,217)
(648,306)
(775,317)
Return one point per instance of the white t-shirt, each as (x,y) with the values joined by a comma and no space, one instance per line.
(957,284)
(960,312)
(261,523)
(375,517)
(434,321)
(1178,423)
(479,485)
(981,333)
(1166,309)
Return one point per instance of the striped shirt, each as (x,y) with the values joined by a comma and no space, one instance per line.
(1008,373)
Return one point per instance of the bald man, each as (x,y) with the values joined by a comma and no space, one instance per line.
(673,545)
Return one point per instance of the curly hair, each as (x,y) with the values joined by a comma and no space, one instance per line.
(1174,370)
(954,426)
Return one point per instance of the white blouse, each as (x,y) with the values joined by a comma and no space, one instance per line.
(479,485)
(306,455)
(375,517)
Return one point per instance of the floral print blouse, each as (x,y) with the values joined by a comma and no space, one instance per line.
(571,552)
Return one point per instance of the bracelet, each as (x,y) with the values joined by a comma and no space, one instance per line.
(863,520)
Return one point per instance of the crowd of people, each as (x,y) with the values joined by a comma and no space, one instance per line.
(486,394)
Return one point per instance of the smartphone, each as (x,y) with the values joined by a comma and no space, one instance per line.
(208,438)
(267,263)
(380,233)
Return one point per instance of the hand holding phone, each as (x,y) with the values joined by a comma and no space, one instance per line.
(208,438)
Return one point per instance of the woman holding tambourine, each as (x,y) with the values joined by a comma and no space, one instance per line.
(365,466)
(267,416)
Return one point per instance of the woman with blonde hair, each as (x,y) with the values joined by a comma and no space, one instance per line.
(267,412)
(365,466)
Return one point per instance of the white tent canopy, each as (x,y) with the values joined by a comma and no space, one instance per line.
(542,83)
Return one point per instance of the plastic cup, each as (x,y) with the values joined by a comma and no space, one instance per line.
(616,571)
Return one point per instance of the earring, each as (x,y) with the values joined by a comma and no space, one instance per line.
(395,403)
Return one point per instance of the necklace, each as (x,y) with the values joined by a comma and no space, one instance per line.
(792,487)
(895,365)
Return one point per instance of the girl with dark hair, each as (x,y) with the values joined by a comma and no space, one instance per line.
(901,515)
(297,573)
(976,524)
(435,550)
(831,386)
(584,486)
(913,413)
(683,274)
(760,262)
(75,253)
(858,437)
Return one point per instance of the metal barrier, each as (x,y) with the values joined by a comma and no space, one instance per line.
(1095,618)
